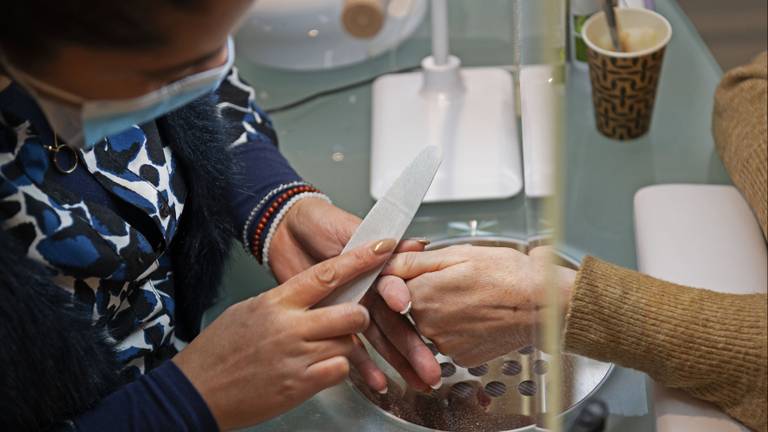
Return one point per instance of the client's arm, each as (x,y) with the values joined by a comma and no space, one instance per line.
(709,344)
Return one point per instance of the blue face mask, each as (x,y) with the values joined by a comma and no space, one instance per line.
(84,123)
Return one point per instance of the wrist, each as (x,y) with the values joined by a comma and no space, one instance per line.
(545,272)
(194,374)
(292,220)
(566,282)
(275,229)
(265,216)
(298,213)
(250,226)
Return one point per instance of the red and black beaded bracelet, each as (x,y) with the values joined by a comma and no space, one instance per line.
(269,213)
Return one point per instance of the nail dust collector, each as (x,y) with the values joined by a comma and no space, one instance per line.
(467,112)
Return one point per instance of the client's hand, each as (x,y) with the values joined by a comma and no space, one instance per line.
(477,303)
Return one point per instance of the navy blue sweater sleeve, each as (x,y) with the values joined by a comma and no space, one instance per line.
(260,165)
(162,400)
(262,168)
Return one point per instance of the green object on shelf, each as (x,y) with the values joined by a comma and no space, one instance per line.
(579,45)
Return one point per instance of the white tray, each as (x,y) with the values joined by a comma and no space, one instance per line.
(477,133)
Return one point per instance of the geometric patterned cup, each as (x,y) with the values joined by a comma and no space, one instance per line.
(624,83)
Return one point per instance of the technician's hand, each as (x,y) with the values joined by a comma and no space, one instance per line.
(478,303)
(269,353)
(314,230)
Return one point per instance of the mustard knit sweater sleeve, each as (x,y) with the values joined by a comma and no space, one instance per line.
(709,344)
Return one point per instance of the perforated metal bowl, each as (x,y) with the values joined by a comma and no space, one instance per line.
(507,393)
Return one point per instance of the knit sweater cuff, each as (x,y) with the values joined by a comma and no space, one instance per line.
(710,344)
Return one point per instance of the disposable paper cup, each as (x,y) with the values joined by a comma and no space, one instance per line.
(624,83)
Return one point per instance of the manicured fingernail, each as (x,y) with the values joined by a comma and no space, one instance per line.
(384,246)
(386,389)
(423,240)
(438,385)
(407,309)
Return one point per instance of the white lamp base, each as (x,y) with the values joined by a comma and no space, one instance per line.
(468,113)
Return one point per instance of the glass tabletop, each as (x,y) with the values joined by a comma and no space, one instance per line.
(328,141)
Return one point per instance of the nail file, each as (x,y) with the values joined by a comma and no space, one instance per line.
(389,218)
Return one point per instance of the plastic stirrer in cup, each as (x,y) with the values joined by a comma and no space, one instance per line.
(613,25)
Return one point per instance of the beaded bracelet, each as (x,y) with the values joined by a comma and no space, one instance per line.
(255,211)
(279,218)
(269,212)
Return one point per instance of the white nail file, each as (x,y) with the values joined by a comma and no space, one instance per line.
(389,218)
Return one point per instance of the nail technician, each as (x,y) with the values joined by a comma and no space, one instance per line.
(131,155)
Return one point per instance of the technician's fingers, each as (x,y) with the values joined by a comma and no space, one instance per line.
(391,354)
(371,373)
(410,345)
(314,284)
(337,320)
(326,373)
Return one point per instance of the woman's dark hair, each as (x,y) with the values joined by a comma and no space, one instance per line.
(31,29)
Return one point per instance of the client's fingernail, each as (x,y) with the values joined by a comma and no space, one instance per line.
(386,389)
(438,385)
(384,246)
(407,309)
